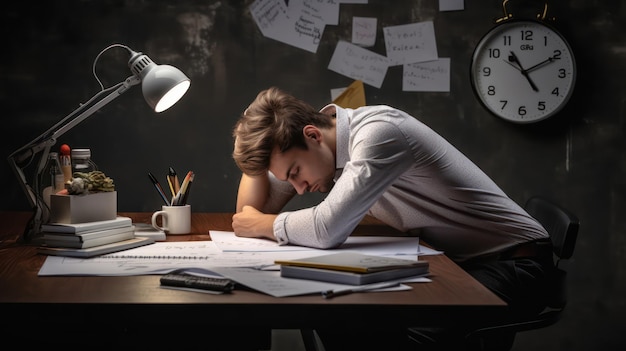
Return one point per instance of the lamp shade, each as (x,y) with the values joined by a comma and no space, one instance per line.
(162,85)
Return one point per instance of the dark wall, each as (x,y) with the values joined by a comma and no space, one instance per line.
(577,158)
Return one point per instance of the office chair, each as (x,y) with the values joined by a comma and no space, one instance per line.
(563,227)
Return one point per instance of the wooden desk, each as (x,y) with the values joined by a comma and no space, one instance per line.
(129,302)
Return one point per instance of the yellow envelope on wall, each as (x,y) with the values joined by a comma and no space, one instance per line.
(352,97)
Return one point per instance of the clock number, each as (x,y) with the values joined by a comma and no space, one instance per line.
(491,90)
(562,73)
(527,34)
(521,110)
(507,40)
(494,53)
(504,102)
(486,71)
(541,105)
(555,91)
(557,55)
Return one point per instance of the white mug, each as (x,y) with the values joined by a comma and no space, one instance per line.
(174,219)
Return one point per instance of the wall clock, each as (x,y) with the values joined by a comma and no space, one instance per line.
(523,71)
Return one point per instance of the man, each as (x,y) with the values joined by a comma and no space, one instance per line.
(380,161)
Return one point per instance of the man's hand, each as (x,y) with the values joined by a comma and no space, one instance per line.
(252,223)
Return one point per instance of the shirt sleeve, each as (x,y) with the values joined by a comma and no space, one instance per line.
(379,154)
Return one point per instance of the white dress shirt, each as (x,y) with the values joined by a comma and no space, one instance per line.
(395,168)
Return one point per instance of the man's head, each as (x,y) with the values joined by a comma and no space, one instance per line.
(277,130)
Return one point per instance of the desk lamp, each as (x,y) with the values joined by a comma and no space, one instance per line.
(162,87)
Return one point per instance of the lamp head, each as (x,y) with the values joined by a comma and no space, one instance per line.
(162,85)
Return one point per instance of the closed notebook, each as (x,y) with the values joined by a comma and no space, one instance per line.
(129,233)
(96,250)
(353,262)
(83,237)
(87,226)
(352,278)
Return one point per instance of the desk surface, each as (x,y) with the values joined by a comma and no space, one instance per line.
(452,295)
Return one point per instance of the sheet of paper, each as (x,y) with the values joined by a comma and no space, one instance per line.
(369,245)
(427,76)
(364,31)
(163,257)
(271,283)
(358,63)
(451,5)
(410,43)
(293,26)
(323,10)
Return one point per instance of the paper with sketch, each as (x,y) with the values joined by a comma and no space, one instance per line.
(410,43)
(427,76)
(296,27)
(358,63)
(161,258)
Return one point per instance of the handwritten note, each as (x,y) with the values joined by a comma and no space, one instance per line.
(299,25)
(326,11)
(427,76)
(410,43)
(364,31)
(359,64)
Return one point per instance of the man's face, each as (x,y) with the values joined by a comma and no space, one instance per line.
(307,170)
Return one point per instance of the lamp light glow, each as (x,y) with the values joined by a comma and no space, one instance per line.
(162,87)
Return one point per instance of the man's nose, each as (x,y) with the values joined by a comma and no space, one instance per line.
(300,187)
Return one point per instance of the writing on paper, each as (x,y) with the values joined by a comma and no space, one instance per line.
(410,43)
(427,76)
(359,64)
(364,31)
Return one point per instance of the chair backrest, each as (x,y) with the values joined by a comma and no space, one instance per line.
(561,224)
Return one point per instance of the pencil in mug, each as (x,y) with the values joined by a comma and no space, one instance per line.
(179,198)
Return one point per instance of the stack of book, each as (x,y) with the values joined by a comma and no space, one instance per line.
(90,238)
(352,268)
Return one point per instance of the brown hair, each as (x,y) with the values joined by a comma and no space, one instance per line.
(273,119)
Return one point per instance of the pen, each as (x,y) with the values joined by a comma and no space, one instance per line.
(172,180)
(158,187)
(334,293)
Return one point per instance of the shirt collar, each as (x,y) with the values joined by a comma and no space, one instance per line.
(343,134)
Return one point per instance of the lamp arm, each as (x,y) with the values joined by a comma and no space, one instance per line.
(44,142)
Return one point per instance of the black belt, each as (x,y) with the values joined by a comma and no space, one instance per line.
(536,248)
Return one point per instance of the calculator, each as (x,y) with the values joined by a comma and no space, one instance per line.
(196,282)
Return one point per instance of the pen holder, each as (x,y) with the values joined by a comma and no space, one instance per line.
(174,219)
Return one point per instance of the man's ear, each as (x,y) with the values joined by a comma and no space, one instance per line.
(311,131)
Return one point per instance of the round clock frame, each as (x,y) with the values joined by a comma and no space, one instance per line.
(523,71)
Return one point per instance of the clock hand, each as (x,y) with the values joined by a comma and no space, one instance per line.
(548,60)
(513,58)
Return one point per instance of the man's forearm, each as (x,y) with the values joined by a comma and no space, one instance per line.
(253,191)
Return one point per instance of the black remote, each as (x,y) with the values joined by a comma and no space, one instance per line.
(196,282)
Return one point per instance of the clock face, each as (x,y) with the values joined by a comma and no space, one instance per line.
(523,71)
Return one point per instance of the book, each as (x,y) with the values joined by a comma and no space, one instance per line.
(85,227)
(147,230)
(96,250)
(352,278)
(129,233)
(352,268)
(82,237)
(353,262)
